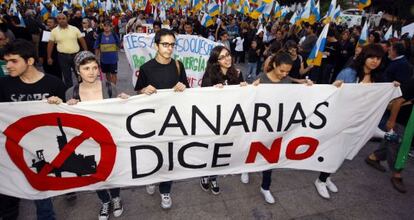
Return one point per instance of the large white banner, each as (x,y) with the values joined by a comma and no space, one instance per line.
(47,150)
(193,51)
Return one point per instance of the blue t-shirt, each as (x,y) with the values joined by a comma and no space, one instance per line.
(108,46)
(348,75)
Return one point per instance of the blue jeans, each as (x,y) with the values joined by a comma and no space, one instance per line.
(104,194)
(44,209)
(252,68)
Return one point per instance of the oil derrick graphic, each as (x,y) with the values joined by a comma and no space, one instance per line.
(75,163)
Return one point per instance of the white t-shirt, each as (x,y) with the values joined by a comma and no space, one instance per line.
(239,44)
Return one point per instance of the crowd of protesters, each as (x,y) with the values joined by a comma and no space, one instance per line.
(80,48)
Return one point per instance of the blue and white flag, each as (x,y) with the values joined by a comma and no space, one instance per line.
(363,39)
(315,57)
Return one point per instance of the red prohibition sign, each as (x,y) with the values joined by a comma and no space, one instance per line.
(90,129)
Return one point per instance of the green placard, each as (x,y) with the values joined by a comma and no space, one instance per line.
(406,143)
(3,70)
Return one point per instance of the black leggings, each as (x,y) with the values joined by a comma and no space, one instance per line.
(323,176)
(266,179)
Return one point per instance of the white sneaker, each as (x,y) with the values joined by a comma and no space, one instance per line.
(150,189)
(267,196)
(331,186)
(244,178)
(321,188)
(166,201)
(118,209)
(104,212)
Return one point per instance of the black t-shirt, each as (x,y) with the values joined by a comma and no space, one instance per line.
(161,76)
(334,52)
(253,57)
(407,89)
(13,89)
(295,71)
(21,33)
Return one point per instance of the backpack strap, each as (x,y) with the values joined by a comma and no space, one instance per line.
(108,88)
(116,39)
(75,91)
(177,64)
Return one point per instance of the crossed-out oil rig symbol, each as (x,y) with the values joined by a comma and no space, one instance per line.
(76,163)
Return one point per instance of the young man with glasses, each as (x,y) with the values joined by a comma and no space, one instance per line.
(162,72)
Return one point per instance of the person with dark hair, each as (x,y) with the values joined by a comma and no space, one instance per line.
(18,30)
(76,20)
(87,67)
(88,34)
(261,46)
(399,68)
(346,50)
(220,71)
(400,111)
(252,58)
(224,39)
(54,68)
(307,45)
(66,38)
(362,70)
(298,71)
(374,38)
(188,28)
(278,71)
(106,47)
(162,72)
(364,66)
(156,26)
(275,47)
(330,59)
(26,83)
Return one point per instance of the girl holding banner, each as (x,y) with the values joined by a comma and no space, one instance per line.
(364,69)
(220,71)
(279,66)
(87,67)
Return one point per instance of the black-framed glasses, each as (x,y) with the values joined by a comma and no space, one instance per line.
(224,56)
(166,45)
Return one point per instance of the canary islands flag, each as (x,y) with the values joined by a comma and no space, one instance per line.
(363,3)
(197,5)
(363,39)
(258,11)
(55,12)
(213,9)
(206,21)
(43,11)
(315,57)
(278,10)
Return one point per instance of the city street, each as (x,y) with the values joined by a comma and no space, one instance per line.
(364,193)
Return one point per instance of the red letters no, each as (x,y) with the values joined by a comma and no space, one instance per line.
(271,155)
(296,143)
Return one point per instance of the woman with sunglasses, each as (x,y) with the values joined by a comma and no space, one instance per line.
(220,71)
